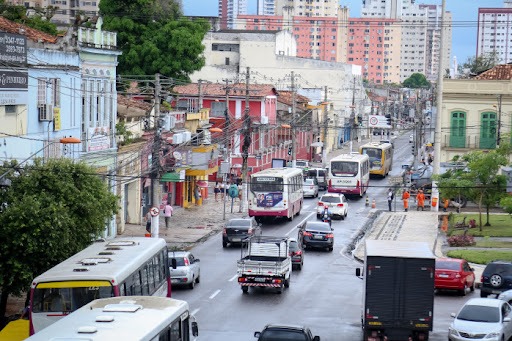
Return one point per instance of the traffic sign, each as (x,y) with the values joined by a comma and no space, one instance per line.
(378,121)
(154,211)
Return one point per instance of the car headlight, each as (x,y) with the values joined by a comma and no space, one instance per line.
(452,331)
(493,334)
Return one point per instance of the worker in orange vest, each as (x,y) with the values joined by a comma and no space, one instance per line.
(405,198)
(446,204)
(420,199)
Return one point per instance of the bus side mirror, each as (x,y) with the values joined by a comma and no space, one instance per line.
(173,263)
(195,330)
(358,273)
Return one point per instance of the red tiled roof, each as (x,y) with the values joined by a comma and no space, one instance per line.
(285,97)
(218,90)
(499,72)
(128,107)
(29,32)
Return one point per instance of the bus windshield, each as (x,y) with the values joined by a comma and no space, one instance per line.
(266,184)
(344,168)
(68,299)
(373,153)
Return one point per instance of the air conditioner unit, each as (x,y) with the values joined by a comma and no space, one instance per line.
(45,112)
(264,120)
(177,138)
(187,136)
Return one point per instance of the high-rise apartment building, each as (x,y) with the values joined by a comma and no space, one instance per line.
(229,10)
(266,7)
(420,33)
(495,32)
(67,10)
(307,8)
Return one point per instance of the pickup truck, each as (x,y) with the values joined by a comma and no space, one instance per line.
(265,262)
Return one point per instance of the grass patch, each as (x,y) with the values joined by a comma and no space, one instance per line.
(479,256)
(493,243)
(501,225)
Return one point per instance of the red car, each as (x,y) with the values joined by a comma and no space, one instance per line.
(454,274)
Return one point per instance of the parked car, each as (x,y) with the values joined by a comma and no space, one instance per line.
(481,319)
(337,203)
(310,187)
(496,278)
(273,332)
(454,274)
(187,270)
(411,138)
(316,235)
(321,176)
(297,253)
(237,229)
(506,296)
(304,164)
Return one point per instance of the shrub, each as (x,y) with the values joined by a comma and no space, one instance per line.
(461,240)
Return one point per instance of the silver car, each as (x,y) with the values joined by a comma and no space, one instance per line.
(310,187)
(482,319)
(187,271)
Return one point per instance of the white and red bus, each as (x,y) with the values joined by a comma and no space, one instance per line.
(276,192)
(349,174)
(121,267)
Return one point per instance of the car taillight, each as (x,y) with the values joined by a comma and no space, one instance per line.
(187,263)
(482,279)
(330,182)
(340,205)
(298,253)
(224,231)
(330,235)
(357,184)
(307,234)
(320,203)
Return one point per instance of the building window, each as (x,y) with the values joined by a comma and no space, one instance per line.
(41,91)
(10,109)
(488,130)
(458,129)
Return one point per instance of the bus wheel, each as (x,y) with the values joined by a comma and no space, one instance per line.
(290,218)
(245,290)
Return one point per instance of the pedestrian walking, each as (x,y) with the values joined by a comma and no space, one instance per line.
(240,190)
(391,196)
(197,194)
(222,190)
(168,210)
(147,219)
(405,198)
(216,190)
(420,201)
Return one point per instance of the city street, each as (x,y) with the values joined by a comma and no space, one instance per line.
(325,295)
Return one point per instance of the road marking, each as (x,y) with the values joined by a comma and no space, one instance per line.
(195,311)
(214,294)
(233,278)
(306,207)
(295,227)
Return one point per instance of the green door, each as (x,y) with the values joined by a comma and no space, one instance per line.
(488,131)
(458,130)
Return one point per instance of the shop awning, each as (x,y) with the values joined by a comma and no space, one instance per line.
(202,183)
(171,177)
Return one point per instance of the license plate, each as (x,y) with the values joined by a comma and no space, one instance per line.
(259,279)
(318,236)
(443,276)
(174,280)
(236,239)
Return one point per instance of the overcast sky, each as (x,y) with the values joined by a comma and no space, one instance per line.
(464,16)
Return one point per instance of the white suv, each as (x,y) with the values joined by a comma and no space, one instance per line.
(337,204)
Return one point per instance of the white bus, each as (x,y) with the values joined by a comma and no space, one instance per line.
(137,318)
(349,174)
(276,192)
(121,267)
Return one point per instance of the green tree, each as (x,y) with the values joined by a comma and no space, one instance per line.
(154,37)
(476,65)
(417,80)
(39,21)
(49,212)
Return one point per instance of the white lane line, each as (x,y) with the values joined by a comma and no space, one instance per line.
(214,294)
(233,278)
(306,207)
(194,312)
(295,227)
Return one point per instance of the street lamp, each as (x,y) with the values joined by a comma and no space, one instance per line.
(65,140)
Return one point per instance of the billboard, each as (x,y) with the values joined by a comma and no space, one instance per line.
(14,75)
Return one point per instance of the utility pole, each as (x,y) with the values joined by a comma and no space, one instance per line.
(247,142)
(226,147)
(326,120)
(155,161)
(498,135)
(292,123)
(353,113)
(200,94)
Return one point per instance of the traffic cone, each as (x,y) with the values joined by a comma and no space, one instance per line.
(367,203)
(374,204)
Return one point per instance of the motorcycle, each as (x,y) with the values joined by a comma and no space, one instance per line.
(326,218)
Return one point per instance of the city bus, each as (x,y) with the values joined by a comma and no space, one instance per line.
(121,267)
(276,192)
(125,318)
(349,174)
(381,157)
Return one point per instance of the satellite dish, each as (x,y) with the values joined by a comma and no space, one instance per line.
(177,155)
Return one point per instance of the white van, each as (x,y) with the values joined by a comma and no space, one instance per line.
(321,176)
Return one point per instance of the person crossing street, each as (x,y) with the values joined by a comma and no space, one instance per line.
(420,200)
(405,198)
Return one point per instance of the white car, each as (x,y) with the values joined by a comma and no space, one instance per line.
(506,296)
(337,203)
(310,187)
(411,138)
(482,319)
(187,271)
